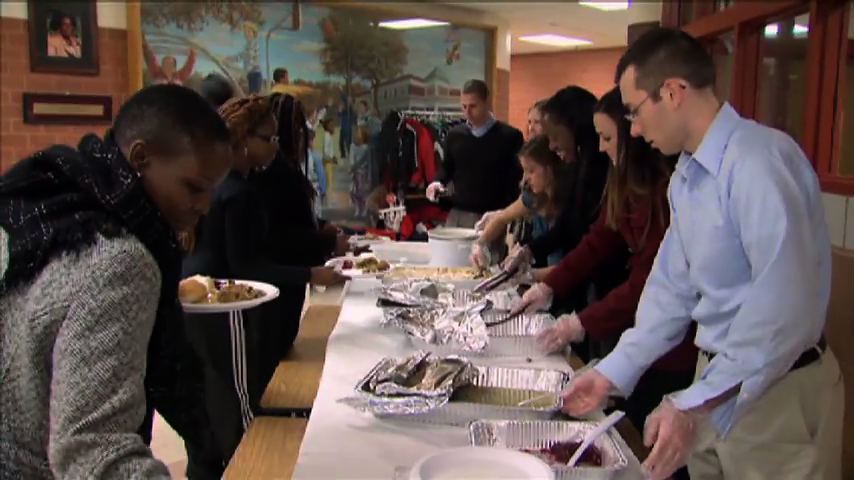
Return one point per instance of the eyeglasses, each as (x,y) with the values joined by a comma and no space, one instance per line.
(633,113)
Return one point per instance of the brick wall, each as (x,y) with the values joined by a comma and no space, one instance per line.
(539,75)
(18,140)
(501,102)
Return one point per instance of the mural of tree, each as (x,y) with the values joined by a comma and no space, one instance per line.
(192,17)
(347,44)
(386,58)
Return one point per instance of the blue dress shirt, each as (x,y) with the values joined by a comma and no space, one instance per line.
(747,256)
(481,130)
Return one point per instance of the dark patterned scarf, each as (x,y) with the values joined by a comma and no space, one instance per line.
(58,201)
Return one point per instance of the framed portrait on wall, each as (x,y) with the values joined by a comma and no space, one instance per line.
(63,37)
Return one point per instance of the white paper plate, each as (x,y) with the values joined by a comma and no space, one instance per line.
(474,463)
(362,240)
(270,293)
(338,264)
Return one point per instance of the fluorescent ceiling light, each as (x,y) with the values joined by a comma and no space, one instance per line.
(774,29)
(410,23)
(607,6)
(554,40)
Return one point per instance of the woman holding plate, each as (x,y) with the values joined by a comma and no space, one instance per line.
(240,349)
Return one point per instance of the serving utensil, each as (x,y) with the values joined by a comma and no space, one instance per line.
(591,436)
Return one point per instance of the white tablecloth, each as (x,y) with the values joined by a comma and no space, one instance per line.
(341,443)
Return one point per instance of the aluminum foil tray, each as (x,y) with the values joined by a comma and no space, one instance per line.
(461,414)
(512,339)
(537,434)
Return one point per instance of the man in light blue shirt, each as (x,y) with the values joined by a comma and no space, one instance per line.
(747,257)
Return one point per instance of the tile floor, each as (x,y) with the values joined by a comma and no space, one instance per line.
(168,446)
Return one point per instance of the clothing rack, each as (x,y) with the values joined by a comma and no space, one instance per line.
(431,113)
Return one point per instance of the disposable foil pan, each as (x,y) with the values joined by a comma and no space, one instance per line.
(537,434)
(512,339)
(461,414)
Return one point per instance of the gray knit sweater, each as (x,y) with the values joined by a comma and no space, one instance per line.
(72,364)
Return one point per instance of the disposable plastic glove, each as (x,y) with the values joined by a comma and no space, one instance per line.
(480,256)
(519,258)
(672,434)
(587,393)
(484,220)
(433,191)
(568,329)
(537,298)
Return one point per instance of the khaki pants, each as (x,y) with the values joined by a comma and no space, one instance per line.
(793,432)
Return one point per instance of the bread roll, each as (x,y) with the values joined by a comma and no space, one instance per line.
(195,289)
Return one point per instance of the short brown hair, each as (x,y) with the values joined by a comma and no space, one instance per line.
(663,53)
(476,87)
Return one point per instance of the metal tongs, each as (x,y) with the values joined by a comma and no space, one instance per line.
(495,281)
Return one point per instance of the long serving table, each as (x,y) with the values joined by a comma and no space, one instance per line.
(339,442)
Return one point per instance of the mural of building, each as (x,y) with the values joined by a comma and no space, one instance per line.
(434,93)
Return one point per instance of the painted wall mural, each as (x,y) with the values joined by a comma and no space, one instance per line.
(347,70)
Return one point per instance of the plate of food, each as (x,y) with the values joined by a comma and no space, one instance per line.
(367,239)
(200,294)
(366,266)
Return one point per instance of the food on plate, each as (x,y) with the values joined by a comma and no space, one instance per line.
(504,397)
(201,289)
(366,265)
(195,289)
(370,236)
(444,273)
(559,453)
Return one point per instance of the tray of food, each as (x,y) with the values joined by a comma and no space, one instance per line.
(554,442)
(200,294)
(467,393)
(510,339)
(464,277)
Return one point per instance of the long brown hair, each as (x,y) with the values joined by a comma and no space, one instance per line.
(242,115)
(537,150)
(641,173)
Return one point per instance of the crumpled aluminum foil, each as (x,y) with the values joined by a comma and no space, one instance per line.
(415,384)
(416,293)
(459,325)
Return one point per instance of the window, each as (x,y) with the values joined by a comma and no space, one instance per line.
(844,125)
(723,51)
(781,80)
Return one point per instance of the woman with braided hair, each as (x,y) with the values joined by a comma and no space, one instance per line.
(296,237)
(239,349)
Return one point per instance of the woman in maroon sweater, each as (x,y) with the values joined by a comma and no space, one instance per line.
(635,215)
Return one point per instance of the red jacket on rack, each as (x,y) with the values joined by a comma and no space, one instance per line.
(615,313)
(426,170)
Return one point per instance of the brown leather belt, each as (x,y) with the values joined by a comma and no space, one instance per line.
(808,357)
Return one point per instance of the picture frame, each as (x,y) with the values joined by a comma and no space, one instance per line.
(67,109)
(63,37)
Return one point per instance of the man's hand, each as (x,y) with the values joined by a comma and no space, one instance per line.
(587,393)
(330,228)
(342,245)
(433,191)
(672,434)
